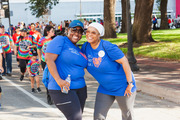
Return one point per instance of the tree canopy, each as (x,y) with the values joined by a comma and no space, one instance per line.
(41,7)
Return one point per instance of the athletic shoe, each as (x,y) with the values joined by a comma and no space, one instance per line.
(49,101)
(8,74)
(33,90)
(38,90)
(3,74)
(22,77)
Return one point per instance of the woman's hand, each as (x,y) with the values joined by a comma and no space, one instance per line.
(128,90)
(2,69)
(63,84)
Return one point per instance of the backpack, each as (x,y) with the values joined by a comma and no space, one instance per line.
(45,78)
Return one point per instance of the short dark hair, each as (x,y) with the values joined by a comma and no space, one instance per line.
(32,24)
(47,29)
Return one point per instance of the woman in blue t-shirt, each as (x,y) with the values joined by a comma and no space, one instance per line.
(108,65)
(64,58)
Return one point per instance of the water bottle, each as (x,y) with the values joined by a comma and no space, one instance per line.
(68,79)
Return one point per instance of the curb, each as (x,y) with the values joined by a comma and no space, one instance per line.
(162,92)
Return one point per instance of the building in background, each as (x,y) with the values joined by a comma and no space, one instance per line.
(70,9)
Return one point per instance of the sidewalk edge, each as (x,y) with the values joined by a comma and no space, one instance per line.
(163,92)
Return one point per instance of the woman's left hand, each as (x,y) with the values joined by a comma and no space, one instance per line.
(128,90)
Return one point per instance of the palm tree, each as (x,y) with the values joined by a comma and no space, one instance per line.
(143,21)
(109,19)
(130,53)
(164,19)
(124,21)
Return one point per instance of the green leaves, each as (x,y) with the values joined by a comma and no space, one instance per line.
(41,7)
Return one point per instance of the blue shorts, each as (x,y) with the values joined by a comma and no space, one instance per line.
(34,75)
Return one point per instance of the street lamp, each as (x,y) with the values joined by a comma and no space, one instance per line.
(80,9)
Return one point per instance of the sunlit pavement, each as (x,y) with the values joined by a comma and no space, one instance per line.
(19,104)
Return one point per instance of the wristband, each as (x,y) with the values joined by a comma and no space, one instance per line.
(129,82)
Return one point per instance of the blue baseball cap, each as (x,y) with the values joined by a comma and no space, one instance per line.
(76,23)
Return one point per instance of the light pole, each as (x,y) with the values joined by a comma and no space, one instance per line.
(80,9)
(9,19)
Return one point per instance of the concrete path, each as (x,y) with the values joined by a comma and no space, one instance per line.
(19,104)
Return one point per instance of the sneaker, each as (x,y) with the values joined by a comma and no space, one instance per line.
(33,90)
(8,74)
(22,77)
(38,90)
(3,74)
(49,101)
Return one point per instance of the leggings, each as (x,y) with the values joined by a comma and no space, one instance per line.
(104,102)
(71,104)
(22,65)
(49,100)
(43,64)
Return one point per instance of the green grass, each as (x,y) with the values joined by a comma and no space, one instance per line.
(167,46)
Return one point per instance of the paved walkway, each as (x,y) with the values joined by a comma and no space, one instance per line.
(155,77)
(159,78)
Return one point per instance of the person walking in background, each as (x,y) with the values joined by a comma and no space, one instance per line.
(109,66)
(64,58)
(42,45)
(33,70)
(7,44)
(63,26)
(15,38)
(35,34)
(25,45)
(1,69)
(154,22)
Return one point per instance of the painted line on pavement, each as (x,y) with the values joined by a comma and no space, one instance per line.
(54,110)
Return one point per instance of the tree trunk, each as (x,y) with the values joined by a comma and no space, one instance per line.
(163,9)
(124,21)
(130,53)
(142,21)
(109,19)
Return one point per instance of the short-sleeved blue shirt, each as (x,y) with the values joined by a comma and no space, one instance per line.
(103,67)
(70,60)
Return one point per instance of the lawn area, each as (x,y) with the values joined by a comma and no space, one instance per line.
(167,46)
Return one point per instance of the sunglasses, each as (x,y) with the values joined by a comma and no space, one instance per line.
(75,30)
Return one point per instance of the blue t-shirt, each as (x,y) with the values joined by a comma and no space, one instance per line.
(70,60)
(103,67)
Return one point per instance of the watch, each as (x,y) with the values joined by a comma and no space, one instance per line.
(129,82)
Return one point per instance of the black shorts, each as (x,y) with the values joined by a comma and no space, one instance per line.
(23,62)
(17,59)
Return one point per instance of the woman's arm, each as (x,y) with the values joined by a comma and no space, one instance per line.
(1,59)
(39,54)
(50,61)
(127,71)
(15,50)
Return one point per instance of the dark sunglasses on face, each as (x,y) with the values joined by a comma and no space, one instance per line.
(75,30)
